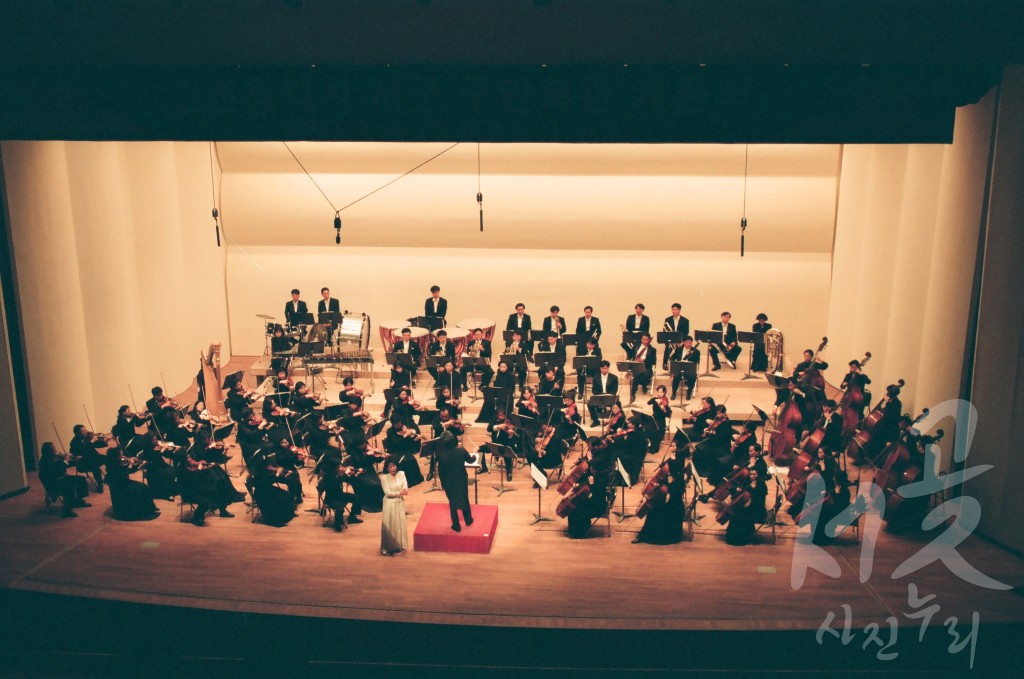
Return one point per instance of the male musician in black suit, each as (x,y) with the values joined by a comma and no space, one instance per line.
(517,346)
(554,323)
(406,345)
(728,343)
(520,321)
(482,348)
(160,407)
(833,424)
(436,306)
(587,326)
(293,308)
(85,453)
(686,352)
(451,468)
(441,347)
(328,305)
(647,355)
(675,323)
(636,323)
(603,383)
(551,348)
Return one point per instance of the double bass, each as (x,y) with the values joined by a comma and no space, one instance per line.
(788,426)
(863,438)
(852,402)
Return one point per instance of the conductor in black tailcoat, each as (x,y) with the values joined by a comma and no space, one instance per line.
(451,467)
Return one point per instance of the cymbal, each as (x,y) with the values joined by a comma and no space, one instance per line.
(265,317)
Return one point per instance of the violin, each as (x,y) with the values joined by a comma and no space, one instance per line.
(704,409)
(713,426)
(611,422)
(663,404)
(258,422)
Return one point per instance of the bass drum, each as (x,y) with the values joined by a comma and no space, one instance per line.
(354,331)
(773,348)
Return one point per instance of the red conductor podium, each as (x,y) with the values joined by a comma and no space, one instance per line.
(434,530)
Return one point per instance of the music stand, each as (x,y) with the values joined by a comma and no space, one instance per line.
(516,363)
(650,428)
(687,369)
(584,366)
(755,340)
(498,395)
(428,417)
(634,368)
(429,450)
(603,401)
(711,337)
(475,362)
(546,359)
(548,404)
(632,339)
(302,319)
(393,358)
(667,338)
(431,323)
(527,424)
(542,483)
(331,318)
(569,338)
(623,514)
(498,449)
(309,348)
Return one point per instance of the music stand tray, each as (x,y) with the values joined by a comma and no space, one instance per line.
(303,319)
(755,339)
(309,348)
(669,337)
(398,358)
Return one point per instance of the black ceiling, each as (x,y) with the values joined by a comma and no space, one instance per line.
(499,70)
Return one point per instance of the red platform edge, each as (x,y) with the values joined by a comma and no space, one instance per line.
(434,530)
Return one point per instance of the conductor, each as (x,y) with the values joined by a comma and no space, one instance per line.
(451,466)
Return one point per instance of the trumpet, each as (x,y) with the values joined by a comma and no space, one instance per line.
(509,349)
(474,350)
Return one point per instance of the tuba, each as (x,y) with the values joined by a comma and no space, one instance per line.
(773,348)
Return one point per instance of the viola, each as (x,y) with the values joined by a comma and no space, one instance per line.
(569,502)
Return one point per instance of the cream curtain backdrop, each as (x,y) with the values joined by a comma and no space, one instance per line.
(903,266)
(119,276)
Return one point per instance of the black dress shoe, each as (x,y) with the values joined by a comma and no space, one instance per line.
(68,514)
(457,528)
(354,519)
(674,394)
(469,523)
(81,503)
(430,476)
(226,514)
(508,475)
(717,367)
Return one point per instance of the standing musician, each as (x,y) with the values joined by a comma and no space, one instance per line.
(478,347)
(728,345)
(587,327)
(53,474)
(647,355)
(441,347)
(406,345)
(294,308)
(520,321)
(759,361)
(554,323)
(636,323)
(84,449)
(675,323)
(685,352)
(517,346)
(328,305)
(603,383)
(436,306)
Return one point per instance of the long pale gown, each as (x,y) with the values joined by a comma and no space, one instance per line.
(392,526)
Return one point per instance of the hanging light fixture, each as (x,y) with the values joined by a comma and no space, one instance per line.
(743,219)
(479,194)
(337,228)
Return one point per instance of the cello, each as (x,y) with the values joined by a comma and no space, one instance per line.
(649,499)
(852,403)
(568,503)
(783,439)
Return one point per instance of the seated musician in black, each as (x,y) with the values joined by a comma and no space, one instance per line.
(366,483)
(276,504)
(550,382)
(403,444)
(251,436)
(514,347)
(208,486)
(481,348)
(160,407)
(605,382)
(661,411)
(687,353)
(446,422)
(405,409)
(548,450)
(291,459)
(350,394)
(406,345)
(124,430)
(728,344)
(441,348)
(400,377)
(303,399)
(648,355)
(447,400)
(161,476)
(85,455)
(280,344)
(748,512)
(601,497)
(130,500)
(552,351)
(504,433)
(664,522)
(333,477)
(53,474)
(237,400)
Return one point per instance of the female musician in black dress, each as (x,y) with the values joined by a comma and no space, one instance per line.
(403,444)
(664,523)
(759,359)
(53,474)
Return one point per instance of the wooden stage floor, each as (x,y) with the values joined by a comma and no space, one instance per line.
(535,576)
